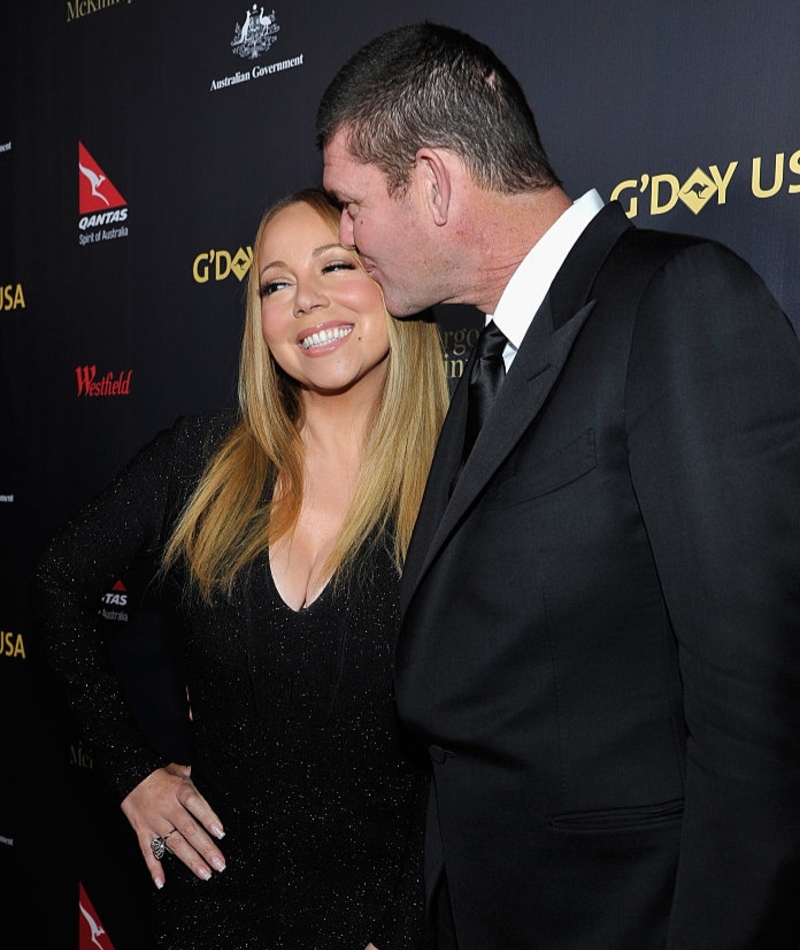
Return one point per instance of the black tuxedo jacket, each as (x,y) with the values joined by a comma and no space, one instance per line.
(601,635)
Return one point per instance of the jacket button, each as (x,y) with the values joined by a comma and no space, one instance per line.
(437,754)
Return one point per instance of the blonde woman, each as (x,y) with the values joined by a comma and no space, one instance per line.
(281,530)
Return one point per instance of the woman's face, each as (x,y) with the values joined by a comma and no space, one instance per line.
(322,316)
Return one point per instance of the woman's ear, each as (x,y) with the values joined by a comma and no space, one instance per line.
(434,182)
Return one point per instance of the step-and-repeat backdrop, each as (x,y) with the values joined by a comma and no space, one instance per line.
(139,144)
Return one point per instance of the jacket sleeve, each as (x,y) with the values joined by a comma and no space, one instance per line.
(125,521)
(713,420)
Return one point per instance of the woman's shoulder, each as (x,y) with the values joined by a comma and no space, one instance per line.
(206,429)
(186,446)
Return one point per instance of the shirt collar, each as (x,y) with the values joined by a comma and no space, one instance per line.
(530,282)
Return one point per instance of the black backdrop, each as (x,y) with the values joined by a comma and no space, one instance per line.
(687,111)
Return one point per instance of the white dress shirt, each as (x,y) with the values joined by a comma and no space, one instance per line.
(530,282)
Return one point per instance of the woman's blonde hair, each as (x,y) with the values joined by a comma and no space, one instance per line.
(231,517)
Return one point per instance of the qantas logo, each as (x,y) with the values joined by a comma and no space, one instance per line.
(114,603)
(97,193)
(99,202)
(92,935)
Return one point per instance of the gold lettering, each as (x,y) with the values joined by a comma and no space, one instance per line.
(201,276)
(720,182)
(794,166)
(777,181)
(633,206)
(454,369)
(223,260)
(674,186)
(12,644)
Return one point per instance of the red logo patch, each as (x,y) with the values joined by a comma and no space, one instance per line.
(95,190)
(91,933)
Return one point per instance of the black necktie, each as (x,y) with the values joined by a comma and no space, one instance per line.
(487,373)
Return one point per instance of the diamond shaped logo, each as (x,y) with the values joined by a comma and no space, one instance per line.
(697,191)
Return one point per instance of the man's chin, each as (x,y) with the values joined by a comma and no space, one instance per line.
(400,307)
(408,314)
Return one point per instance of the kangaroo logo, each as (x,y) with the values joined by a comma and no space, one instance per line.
(91,932)
(95,190)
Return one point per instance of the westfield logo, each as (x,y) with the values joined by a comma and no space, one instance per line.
(90,385)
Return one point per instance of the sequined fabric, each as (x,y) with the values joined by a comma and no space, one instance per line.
(294,733)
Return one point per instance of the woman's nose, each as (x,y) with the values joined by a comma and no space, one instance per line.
(309,297)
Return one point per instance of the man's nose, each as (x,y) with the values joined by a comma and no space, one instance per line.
(346,238)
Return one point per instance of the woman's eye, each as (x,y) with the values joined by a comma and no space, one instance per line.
(265,290)
(338,265)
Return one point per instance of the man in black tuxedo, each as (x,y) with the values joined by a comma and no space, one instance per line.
(601,635)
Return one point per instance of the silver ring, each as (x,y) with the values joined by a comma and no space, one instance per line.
(159,845)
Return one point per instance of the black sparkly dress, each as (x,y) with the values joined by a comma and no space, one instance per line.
(295,740)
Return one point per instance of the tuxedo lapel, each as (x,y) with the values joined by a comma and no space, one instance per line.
(521,397)
(533,373)
(440,477)
(530,379)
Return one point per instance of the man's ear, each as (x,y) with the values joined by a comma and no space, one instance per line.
(434,182)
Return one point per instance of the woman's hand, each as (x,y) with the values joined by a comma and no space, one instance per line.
(166,804)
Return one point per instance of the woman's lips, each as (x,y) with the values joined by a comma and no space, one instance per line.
(323,336)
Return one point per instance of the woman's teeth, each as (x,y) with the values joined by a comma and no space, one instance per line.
(325,336)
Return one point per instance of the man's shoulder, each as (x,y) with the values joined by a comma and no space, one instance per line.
(657,238)
(643,239)
(635,255)
(647,247)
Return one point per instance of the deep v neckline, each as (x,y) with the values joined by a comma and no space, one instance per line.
(304,608)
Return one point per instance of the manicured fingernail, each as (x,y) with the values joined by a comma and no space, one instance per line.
(216,830)
(205,874)
(159,884)
(218,863)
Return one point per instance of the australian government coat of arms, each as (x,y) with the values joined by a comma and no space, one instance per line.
(256,34)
